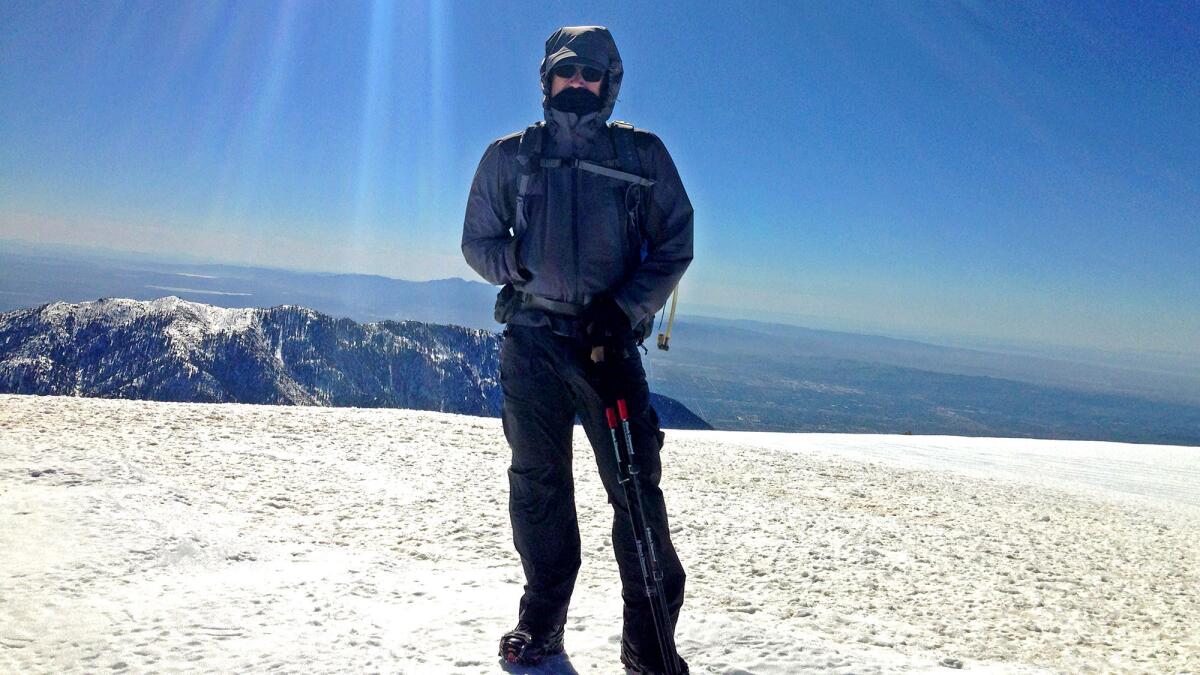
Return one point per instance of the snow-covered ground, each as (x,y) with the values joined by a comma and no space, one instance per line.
(237,538)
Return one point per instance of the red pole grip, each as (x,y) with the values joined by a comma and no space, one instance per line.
(612,418)
(623,409)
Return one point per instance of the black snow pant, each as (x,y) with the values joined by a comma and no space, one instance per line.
(547,380)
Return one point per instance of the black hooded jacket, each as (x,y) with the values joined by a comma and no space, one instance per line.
(577,243)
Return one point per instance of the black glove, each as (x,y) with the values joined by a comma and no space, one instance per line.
(605,324)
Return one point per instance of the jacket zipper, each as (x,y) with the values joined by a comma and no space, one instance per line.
(575,228)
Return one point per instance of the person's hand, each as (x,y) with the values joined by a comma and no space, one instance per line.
(605,324)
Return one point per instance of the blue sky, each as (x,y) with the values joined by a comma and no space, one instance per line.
(1014,171)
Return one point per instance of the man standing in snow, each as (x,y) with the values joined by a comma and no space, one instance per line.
(588,227)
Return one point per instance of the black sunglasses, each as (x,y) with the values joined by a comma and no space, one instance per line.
(568,71)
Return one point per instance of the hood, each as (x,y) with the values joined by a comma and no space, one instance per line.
(585,45)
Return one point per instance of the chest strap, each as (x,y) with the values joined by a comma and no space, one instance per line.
(593,167)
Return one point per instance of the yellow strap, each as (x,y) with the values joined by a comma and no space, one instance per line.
(664,339)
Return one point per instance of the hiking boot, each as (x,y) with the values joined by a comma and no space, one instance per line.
(635,665)
(525,647)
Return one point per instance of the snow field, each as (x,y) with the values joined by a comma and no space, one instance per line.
(160,537)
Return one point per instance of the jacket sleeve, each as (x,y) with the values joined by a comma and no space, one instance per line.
(487,244)
(668,229)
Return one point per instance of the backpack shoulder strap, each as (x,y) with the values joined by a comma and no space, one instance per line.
(623,144)
(529,153)
(625,147)
(529,150)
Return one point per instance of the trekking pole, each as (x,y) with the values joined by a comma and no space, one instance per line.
(627,472)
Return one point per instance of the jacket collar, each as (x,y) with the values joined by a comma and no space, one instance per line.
(571,134)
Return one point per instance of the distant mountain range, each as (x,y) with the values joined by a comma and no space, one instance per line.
(735,374)
(174,350)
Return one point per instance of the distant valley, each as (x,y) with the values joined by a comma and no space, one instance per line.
(735,374)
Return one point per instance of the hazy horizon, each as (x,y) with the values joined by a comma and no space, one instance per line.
(688,311)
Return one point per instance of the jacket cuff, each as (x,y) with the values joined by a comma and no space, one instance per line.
(516,273)
(630,313)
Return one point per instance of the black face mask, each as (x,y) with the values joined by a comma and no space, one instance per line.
(576,100)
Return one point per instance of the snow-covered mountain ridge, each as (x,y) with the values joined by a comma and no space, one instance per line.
(175,350)
(121,311)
